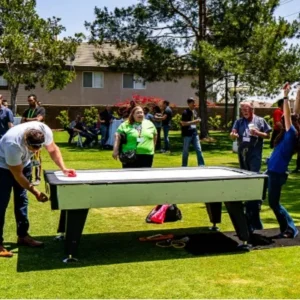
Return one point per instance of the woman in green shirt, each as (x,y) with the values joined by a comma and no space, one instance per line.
(140,136)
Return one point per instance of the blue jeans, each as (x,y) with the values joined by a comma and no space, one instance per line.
(187,140)
(166,129)
(104,134)
(7,183)
(275,183)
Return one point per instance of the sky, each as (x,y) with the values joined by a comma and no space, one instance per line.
(74,13)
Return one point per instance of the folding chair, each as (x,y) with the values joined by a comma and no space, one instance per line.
(79,141)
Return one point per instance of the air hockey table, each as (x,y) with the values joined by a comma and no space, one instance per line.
(74,196)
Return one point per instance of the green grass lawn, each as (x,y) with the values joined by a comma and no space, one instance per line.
(114,264)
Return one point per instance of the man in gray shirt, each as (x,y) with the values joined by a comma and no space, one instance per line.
(17,147)
(250,131)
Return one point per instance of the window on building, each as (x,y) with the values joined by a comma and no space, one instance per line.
(131,81)
(3,83)
(93,80)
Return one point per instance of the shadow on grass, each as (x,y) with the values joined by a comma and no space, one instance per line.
(101,249)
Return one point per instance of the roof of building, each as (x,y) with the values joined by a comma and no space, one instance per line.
(85,55)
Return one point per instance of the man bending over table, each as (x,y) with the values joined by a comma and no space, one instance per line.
(17,147)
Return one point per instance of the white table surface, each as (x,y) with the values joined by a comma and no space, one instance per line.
(148,175)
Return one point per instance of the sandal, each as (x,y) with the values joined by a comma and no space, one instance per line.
(4,252)
(156,237)
(178,244)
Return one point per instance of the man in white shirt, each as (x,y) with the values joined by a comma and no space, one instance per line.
(17,147)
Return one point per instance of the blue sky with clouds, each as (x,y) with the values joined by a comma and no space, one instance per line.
(73,13)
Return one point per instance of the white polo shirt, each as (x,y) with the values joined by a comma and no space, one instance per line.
(13,150)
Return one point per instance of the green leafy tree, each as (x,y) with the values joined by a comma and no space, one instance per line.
(165,39)
(63,119)
(30,51)
(91,116)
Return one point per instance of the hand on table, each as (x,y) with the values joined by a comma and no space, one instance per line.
(69,172)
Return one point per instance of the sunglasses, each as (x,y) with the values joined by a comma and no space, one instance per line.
(35,146)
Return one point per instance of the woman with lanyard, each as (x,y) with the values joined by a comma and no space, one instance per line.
(286,144)
(140,136)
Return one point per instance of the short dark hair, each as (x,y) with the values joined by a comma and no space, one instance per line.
(34,137)
(190,100)
(33,96)
(280,102)
(166,103)
(146,109)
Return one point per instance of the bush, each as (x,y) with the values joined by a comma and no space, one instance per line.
(176,122)
(229,125)
(269,120)
(215,122)
(91,116)
(63,119)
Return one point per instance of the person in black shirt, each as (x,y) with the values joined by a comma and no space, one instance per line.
(81,128)
(106,118)
(189,121)
(166,124)
(35,112)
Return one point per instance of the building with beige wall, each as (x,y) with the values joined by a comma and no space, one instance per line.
(97,85)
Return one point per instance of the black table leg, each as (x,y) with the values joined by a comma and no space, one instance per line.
(75,220)
(238,219)
(214,211)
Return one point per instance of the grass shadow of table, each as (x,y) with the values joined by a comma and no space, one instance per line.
(125,247)
(102,249)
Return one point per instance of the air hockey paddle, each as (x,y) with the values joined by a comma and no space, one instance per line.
(72,174)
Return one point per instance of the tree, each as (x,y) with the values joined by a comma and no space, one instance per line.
(165,39)
(30,50)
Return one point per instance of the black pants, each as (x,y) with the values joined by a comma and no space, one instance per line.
(7,184)
(142,161)
(158,141)
(71,133)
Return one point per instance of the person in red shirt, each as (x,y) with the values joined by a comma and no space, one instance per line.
(277,125)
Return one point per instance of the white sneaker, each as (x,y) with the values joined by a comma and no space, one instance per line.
(37,182)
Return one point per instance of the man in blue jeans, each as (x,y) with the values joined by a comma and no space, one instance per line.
(189,122)
(17,147)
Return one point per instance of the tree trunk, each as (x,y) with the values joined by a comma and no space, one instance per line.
(13,97)
(201,72)
(235,105)
(226,101)
(202,104)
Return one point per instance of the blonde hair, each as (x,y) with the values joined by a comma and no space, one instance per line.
(131,118)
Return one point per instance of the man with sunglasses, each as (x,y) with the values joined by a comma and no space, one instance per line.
(17,147)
